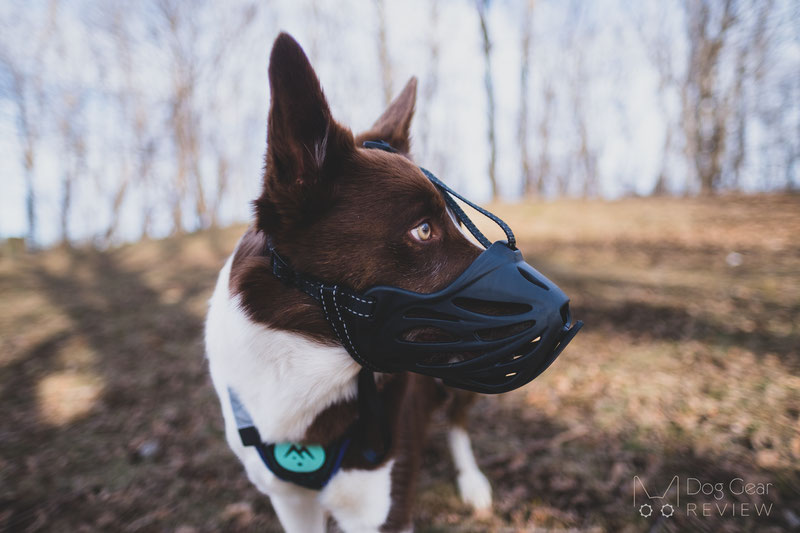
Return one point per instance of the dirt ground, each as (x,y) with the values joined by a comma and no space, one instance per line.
(688,366)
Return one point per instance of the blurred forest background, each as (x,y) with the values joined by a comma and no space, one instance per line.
(120,120)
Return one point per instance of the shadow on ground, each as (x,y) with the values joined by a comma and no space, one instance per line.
(148,453)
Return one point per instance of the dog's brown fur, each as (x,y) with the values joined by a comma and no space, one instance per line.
(342,213)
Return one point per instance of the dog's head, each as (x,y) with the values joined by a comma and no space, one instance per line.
(343,213)
(372,221)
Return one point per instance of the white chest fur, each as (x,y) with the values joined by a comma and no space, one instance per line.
(284,380)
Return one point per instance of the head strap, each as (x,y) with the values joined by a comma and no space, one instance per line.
(459,213)
(347,299)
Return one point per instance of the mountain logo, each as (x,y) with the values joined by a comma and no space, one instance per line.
(299,458)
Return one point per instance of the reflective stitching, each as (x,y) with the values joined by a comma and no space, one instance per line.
(352,350)
(307,288)
(354,297)
(356,312)
(283,272)
(346,333)
(327,317)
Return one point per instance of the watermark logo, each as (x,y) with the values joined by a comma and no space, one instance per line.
(702,498)
(648,502)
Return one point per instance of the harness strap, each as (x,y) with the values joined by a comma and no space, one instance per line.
(310,466)
(313,466)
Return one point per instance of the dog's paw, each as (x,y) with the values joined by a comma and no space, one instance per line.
(475,490)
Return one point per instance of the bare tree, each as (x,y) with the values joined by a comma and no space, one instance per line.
(483,7)
(116,20)
(28,99)
(522,128)
(73,164)
(727,42)
(25,88)
(383,53)
(180,32)
(658,45)
(585,151)
(430,86)
(583,161)
(180,28)
(544,165)
(68,103)
(156,123)
(705,107)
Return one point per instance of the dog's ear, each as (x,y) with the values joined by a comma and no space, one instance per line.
(395,123)
(305,146)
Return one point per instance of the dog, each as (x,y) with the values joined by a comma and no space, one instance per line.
(360,217)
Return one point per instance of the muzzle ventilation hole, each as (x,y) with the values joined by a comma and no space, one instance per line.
(427,334)
(419,312)
(528,348)
(566,317)
(494,334)
(448,357)
(530,277)
(490,308)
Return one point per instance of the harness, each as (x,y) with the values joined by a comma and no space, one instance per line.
(312,465)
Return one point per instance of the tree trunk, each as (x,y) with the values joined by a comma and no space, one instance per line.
(383,53)
(483,6)
(525,163)
(543,167)
(30,195)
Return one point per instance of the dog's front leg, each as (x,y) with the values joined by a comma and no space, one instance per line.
(472,483)
(360,500)
(300,512)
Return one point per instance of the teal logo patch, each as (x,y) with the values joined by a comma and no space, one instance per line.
(299,458)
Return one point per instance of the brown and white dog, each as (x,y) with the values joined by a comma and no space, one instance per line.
(360,218)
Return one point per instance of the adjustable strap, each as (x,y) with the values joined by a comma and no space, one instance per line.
(331,299)
(346,299)
(247,429)
(381,145)
(462,216)
(336,301)
(453,205)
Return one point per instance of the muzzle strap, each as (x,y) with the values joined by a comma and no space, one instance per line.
(339,304)
(330,298)
(448,194)
(346,299)
(462,216)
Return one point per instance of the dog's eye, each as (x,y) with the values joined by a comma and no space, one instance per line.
(422,232)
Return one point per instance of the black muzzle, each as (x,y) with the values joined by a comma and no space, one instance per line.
(493,329)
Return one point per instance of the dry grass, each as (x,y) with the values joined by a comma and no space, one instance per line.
(687,366)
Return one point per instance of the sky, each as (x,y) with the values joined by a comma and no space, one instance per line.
(617,86)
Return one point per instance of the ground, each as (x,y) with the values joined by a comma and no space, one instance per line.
(688,366)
